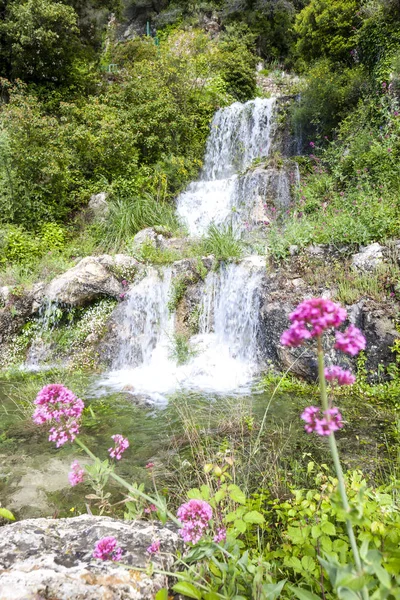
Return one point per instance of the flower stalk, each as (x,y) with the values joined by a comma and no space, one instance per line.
(336,462)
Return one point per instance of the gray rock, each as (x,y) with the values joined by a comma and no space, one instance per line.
(148,235)
(98,207)
(369,258)
(85,282)
(49,558)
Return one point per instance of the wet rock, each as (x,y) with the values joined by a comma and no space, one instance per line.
(369,258)
(53,559)
(98,208)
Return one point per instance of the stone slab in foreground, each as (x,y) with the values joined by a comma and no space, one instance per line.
(52,559)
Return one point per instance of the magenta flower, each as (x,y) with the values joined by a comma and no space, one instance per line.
(76,474)
(195,516)
(124,283)
(220,536)
(107,549)
(56,403)
(311,318)
(312,144)
(150,509)
(310,417)
(121,444)
(331,420)
(351,341)
(339,375)
(154,548)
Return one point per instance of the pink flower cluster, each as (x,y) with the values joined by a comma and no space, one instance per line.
(195,516)
(311,318)
(331,420)
(149,509)
(154,548)
(57,403)
(220,536)
(121,444)
(107,549)
(351,341)
(339,375)
(76,474)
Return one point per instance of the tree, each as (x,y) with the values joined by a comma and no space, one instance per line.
(42,37)
(327,29)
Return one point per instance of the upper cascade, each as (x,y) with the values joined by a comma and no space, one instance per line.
(239,134)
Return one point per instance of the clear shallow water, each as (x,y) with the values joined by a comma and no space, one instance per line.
(33,473)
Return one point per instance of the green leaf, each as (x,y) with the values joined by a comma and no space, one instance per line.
(273,590)
(194,494)
(210,596)
(236,494)
(205,492)
(303,594)
(254,517)
(187,589)
(161,594)
(308,563)
(240,525)
(328,528)
(315,531)
(6,514)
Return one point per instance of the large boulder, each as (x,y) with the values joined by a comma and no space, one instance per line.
(91,278)
(52,558)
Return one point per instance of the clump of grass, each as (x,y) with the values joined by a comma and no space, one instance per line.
(181,350)
(127,216)
(223,243)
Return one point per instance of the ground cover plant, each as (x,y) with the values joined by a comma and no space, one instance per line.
(339,540)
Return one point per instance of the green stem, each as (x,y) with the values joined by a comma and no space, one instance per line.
(132,490)
(336,462)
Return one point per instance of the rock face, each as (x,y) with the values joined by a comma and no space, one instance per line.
(92,277)
(48,558)
(369,258)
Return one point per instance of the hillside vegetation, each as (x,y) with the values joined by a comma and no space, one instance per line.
(84,112)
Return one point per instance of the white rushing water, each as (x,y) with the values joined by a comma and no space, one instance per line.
(239,134)
(224,351)
(223,355)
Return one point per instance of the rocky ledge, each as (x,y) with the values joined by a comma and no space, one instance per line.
(48,558)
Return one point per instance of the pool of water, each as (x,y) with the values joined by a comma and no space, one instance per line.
(33,473)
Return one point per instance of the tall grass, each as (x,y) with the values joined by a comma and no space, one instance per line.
(129,215)
(222,242)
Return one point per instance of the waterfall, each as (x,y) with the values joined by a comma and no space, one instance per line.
(40,347)
(239,134)
(224,351)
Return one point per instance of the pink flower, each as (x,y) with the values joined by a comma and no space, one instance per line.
(339,375)
(331,422)
(121,444)
(107,549)
(195,516)
(56,403)
(351,341)
(150,509)
(220,536)
(312,144)
(310,416)
(124,283)
(154,548)
(311,318)
(149,465)
(76,474)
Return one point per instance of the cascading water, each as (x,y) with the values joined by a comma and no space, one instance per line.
(40,348)
(239,134)
(223,355)
(223,352)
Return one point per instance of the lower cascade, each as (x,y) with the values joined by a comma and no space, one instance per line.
(222,357)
